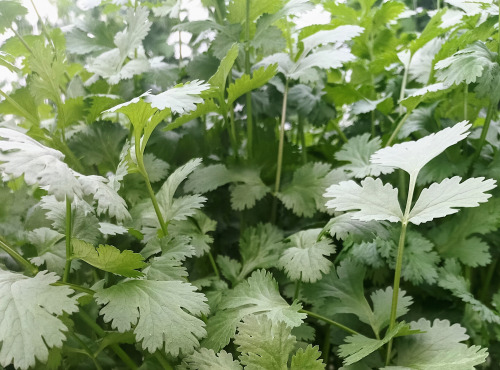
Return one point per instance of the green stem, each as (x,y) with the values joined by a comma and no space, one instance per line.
(76,287)
(163,361)
(67,267)
(144,173)
(399,263)
(487,280)
(484,132)
(331,322)
(232,132)
(44,29)
(339,131)
(403,87)
(19,259)
(25,44)
(214,265)
(86,350)
(101,333)
(466,96)
(326,345)
(280,152)
(398,128)
(302,140)
(248,96)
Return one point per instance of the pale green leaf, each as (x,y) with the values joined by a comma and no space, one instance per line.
(109,258)
(230,268)
(161,313)
(30,323)
(343,227)
(443,199)
(308,358)
(358,151)
(197,227)
(180,99)
(411,156)
(429,93)
(258,294)
(156,168)
(304,195)
(218,80)
(237,9)
(245,83)
(372,201)
(207,359)
(305,258)
(50,248)
(438,347)
(450,278)
(264,344)
(9,11)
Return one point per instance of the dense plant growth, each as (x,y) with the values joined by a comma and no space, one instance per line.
(283,197)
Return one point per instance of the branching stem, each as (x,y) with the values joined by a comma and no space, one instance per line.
(19,259)
(331,322)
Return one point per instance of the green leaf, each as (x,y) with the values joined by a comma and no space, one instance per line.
(304,195)
(207,359)
(430,93)
(108,258)
(344,227)
(260,247)
(450,278)
(474,64)
(9,11)
(372,201)
(358,151)
(305,258)
(202,109)
(31,310)
(308,358)
(218,80)
(442,199)
(258,294)
(180,99)
(245,83)
(264,344)
(438,347)
(411,156)
(156,168)
(162,313)
(51,249)
(237,9)
(197,227)
(358,346)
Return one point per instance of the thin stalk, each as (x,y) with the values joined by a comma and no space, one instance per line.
(487,280)
(248,96)
(399,263)
(302,138)
(86,350)
(163,361)
(339,131)
(144,173)
(214,265)
(19,259)
(25,44)
(67,267)
(44,29)
(76,287)
(398,128)
(438,5)
(466,97)
(232,131)
(101,333)
(280,151)
(297,288)
(331,322)
(403,87)
(326,345)
(484,132)
(373,123)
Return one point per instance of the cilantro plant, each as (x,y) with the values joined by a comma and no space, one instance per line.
(247,191)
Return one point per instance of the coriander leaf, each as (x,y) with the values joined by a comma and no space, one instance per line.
(357,151)
(197,227)
(305,258)
(237,9)
(438,347)
(50,247)
(259,248)
(372,201)
(343,227)
(163,313)
(30,323)
(109,258)
(411,156)
(450,278)
(180,99)
(337,35)
(264,344)
(230,268)
(218,80)
(359,346)
(382,301)
(304,194)
(207,359)
(258,294)
(245,83)
(308,358)
(439,200)
(429,93)
(156,168)
(21,155)
(9,11)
